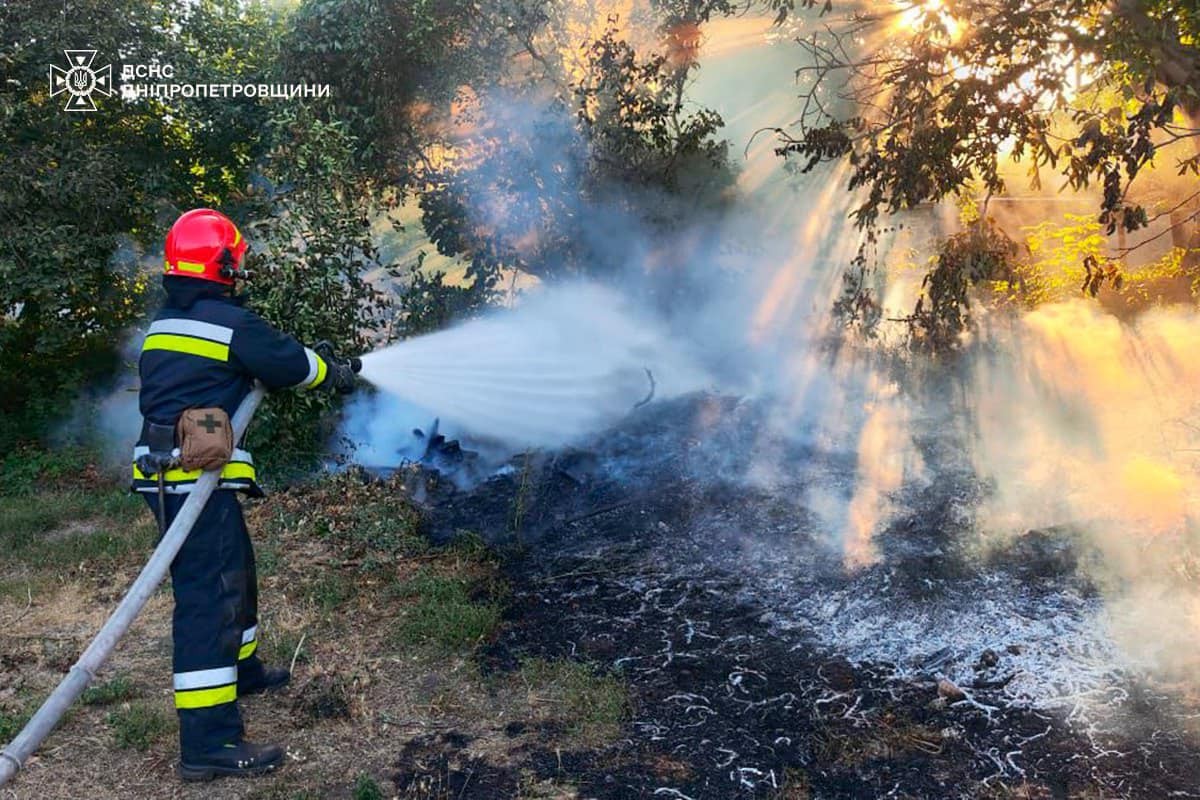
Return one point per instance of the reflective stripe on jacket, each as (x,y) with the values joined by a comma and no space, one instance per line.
(238,475)
(206,351)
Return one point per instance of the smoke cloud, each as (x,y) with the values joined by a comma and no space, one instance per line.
(1074,420)
(1090,423)
(107,419)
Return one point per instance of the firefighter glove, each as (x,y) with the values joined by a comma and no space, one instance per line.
(341,378)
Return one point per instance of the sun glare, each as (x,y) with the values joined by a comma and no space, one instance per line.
(915,16)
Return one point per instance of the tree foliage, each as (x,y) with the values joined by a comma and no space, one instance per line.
(965,83)
(313,259)
(555,187)
(981,253)
(84,196)
(428,302)
(930,100)
(522,129)
(397,67)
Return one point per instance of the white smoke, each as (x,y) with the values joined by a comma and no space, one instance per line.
(1087,422)
(107,419)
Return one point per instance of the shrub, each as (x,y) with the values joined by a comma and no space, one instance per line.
(365,788)
(313,251)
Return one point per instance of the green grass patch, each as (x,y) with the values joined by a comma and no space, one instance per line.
(470,545)
(267,558)
(53,531)
(359,517)
(30,470)
(588,702)
(278,647)
(115,690)
(330,590)
(11,724)
(138,726)
(377,527)
(443,613)
(22,589)
(366,788)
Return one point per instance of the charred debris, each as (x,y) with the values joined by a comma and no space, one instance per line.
(759,665)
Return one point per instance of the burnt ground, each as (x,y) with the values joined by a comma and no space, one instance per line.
(759,665)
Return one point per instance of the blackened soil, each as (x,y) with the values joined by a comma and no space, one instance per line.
(633,555)
(436,766)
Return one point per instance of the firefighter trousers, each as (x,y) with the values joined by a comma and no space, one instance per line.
(215,625)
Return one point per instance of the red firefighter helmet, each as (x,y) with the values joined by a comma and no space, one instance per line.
(205,244)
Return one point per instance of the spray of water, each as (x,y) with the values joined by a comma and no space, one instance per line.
(567,362)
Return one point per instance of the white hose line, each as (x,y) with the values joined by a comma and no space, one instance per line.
(84,671)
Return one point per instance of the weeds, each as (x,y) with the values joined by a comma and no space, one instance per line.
(521,499)
(280,646)
(11,724)
(360,518)
(22,589)
(267,558)
(116,690)
(365,788)
(444,613)
(28,470)
(329,591)
(138,726)
(471,546)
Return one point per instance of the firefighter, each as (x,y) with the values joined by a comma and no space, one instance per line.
(204,350)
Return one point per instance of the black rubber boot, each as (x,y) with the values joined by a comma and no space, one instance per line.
(268,679)
(243,759)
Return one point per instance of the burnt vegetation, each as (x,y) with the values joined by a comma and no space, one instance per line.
(637,555)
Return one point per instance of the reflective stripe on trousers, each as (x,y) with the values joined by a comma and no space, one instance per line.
(214,622)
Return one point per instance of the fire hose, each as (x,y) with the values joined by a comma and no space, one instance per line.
(84,672)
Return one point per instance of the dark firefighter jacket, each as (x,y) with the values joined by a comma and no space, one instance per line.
(203,350)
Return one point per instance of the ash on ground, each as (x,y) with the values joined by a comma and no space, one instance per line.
(761,665)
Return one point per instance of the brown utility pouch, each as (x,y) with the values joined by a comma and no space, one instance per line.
(205,438)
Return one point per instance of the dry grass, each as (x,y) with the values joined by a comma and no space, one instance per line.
(890,735)
(586,706)
(382,629)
